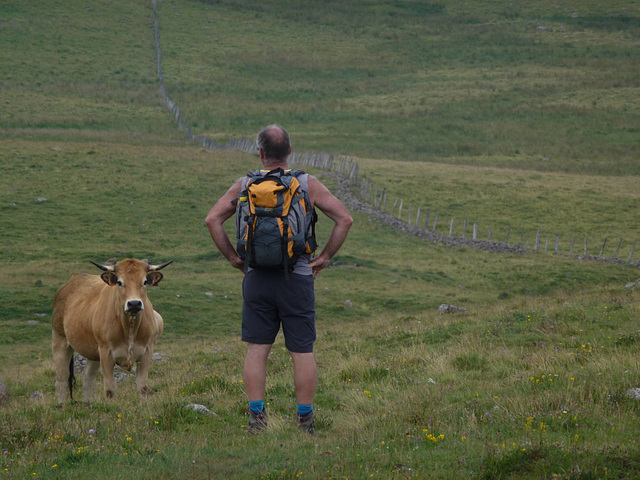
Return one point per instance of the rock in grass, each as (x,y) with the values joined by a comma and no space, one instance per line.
(633,393)
(445,308)
(201,409)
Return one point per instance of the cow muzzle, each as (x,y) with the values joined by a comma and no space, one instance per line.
(133,307)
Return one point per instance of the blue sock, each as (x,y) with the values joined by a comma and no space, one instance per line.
(257,407)
(304,409)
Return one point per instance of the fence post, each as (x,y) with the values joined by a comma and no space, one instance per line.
(475,231)
(633,249)
(451,228)
(489,239)
(537,240)
(507,239)
(464,229)
(393,210)
(585,246)
(618,249)
(409,217)
(382,195)
(557,242)
(400,210)
(602,249)
(435,222)
(546,244)
(418,217)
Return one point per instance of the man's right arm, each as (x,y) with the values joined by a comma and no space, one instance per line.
(223,210)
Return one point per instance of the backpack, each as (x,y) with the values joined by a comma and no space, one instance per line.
(275,222)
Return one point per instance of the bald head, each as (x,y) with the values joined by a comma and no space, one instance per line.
(274,142)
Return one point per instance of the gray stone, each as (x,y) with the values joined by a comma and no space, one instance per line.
(446,308)
(633,393)
(201,409)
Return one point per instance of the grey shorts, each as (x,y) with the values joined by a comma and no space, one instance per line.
(269,300)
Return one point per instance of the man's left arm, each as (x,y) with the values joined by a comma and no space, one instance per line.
(328,204)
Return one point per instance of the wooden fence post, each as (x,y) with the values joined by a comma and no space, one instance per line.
(557,242)
(633,249)
(537,240)
(464,229)
(409,217)
(451,228)
(618,249)
(475,231)
(489,238)
(382,195)
(602,249)
(507,239)
(393,210)
(435,222)
(418,218)
(585,246)
(400,210)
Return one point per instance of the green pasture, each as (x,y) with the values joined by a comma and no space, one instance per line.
(521,115)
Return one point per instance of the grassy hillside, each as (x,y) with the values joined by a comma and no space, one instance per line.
(538,85)
(450,104)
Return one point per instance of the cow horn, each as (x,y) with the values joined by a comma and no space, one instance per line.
(106,268)
(153,268)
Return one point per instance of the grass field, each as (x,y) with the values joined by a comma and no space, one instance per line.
(521,115)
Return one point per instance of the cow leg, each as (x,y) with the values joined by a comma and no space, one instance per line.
(142,372)
(62,354)
(106,364)
(89,381)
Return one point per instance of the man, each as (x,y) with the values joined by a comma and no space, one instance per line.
(269,299)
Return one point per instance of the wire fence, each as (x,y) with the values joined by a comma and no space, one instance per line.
(424,221)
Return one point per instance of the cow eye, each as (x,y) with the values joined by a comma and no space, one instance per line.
(120,284)
(145,282)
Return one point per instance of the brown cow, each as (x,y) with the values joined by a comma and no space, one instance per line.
(109,320)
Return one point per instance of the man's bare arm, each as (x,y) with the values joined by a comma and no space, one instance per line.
(220,213)
(328,204)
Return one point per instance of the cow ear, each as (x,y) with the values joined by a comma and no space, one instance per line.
(109,278)
(154,278)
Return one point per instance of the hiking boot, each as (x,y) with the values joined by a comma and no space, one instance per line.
(306,423)
(257,422)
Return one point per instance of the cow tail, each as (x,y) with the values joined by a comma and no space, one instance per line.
(72,378)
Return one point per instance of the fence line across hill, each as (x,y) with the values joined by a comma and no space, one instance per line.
(376,197)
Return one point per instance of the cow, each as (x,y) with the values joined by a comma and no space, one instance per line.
(109,320)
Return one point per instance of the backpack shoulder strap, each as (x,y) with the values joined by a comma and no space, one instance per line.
(303,178)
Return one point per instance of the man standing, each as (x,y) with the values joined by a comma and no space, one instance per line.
(270,299)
